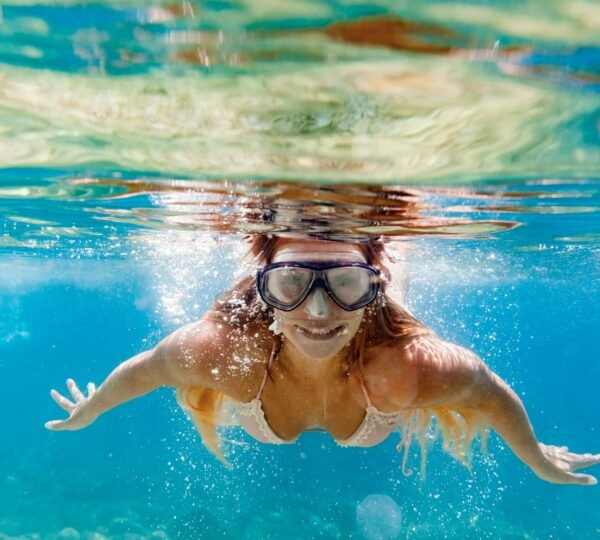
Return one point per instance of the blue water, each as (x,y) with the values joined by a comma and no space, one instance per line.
(141,468)
(137,144)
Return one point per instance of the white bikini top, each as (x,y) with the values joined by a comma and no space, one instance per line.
(374,428)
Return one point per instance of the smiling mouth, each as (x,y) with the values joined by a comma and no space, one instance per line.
(319,334)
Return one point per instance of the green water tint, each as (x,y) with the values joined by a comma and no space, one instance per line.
(401,119)
(396,92)
(410,119)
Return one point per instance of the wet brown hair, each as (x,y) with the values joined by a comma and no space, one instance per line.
(384,320)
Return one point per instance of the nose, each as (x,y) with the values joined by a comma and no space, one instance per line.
(317,304)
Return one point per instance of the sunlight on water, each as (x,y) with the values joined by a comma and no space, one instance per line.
(186,270)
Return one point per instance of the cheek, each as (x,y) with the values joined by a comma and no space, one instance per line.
(353,320)
(283,319)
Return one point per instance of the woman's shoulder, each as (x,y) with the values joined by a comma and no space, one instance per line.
(240,326)
(244,347)
(227,336)
(415,370)
(218,353)
(394,350)
(419,350)
(386,371)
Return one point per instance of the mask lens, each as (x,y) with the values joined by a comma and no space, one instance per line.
(351,285)
(287,284)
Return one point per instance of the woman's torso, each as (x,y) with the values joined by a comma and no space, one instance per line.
(352,407)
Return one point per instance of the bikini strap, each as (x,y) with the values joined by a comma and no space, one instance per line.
(274,351)
(364,389)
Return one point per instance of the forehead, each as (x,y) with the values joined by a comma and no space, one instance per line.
(318,251)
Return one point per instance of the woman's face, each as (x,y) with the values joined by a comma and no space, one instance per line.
(318,327)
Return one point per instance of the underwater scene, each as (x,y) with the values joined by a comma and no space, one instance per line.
(145,147)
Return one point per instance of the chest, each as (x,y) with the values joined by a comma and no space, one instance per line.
(293,407)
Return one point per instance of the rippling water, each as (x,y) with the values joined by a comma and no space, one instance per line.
(139,142)
(117,115)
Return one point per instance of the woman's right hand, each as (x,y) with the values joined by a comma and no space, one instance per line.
(80,413)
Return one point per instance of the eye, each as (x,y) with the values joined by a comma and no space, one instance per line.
(349,284)
(287,284)
(345,277)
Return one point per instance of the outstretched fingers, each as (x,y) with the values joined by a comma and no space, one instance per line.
(565,463)
(585,460)
(62,401)
(582,479)
(55,425)
(74,389)
(580,461)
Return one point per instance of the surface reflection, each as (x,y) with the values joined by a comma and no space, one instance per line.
(96,213)
(350,211)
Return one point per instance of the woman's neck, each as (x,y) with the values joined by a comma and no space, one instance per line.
(302,367)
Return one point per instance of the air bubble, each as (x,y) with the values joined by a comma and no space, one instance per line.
(378,517)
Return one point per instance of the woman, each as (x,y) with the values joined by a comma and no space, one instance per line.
(314,342)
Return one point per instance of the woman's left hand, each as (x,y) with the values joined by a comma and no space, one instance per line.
(560,464)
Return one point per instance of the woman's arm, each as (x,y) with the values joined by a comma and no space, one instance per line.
(133,378)
(505,412)
(447,375)
(188,357)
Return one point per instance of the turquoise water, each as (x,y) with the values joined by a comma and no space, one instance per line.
(139,142)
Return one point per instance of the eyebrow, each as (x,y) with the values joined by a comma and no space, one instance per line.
(317,255)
